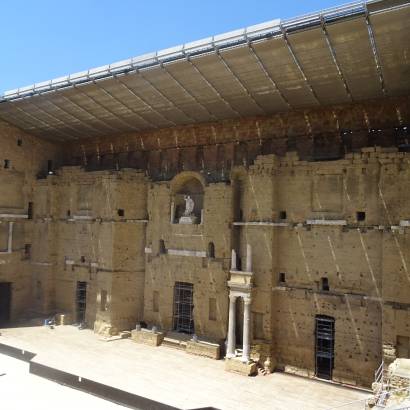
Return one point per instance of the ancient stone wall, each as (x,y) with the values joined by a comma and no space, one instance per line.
(328,229)
(23,159)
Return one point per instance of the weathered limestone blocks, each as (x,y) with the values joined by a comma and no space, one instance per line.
(261,353)
(105,329)
(206,349)
(236,365)
(147,337)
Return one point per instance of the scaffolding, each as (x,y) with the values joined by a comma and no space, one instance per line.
(183,320)
(325,340)
(81,301)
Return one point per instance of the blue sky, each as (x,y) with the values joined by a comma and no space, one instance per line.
(44,39)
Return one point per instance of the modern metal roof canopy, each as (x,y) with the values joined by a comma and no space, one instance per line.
(350,53)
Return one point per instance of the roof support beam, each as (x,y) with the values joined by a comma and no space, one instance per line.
(80,107)
(106,92)
(374,49)
(117,117)
(295,59)
(171,103)
(140,99)
(188,92)
(31,101)
(83,123)
(214,89)
(334,58)
(46,125)
(268,76)
(226,65)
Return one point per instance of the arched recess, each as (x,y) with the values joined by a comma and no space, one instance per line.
(187,184)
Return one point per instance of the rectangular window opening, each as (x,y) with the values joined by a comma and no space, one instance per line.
(30,210)
(212,309)
(6,164)
(324,284)
(258,326)
(155,301)
(282,277)
(121,212)
(27,251)
(282,215)
(360,216)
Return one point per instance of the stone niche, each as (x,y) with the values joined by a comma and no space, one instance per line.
(187,200)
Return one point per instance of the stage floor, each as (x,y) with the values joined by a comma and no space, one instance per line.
(171,376)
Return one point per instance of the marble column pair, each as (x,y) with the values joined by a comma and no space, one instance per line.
(246,328)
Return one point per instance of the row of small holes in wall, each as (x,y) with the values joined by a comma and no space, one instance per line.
(324,282)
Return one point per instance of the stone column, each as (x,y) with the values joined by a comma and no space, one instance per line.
(231,327)
(233,260)
(10,238)
(246,329)
(172,212)
(248,258)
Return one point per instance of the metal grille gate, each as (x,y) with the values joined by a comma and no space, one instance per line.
(183,307)
(325,338)
(81,298)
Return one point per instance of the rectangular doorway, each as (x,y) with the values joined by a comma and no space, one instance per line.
(183,320)
(5,302)
(81,301)
(325,343)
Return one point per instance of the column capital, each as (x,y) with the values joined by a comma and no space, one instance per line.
(247,300)
(233,298)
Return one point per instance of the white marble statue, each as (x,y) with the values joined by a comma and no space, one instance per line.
(189,205)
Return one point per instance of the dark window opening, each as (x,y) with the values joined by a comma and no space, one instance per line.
(19,142)
(6,163)
(360,216)
(5,302)
(282,215)
(183,320)
(211,250)
(121,212)
(282,277)
(324,284)
(30,210)
(212,309)
(324,346)
(27,251)
(155,301)
(68,213)
(82,259)
(162,249)
(258,331)
(50,167)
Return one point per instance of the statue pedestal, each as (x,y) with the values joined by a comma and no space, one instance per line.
(188,220)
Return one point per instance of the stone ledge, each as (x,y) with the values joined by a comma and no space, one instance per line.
(211,350)
(147,337)
(235,365)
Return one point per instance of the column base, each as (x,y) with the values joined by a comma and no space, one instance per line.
(236,365)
